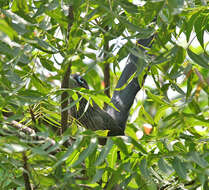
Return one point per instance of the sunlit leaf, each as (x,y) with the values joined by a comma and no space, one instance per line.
(86,152)
(121,145)
(198,59)
(5,28)
(199,28)
(112,157)
(189,84)
(12,148)
(70,150)
(104,152)
(147,115)
(20,5)
(138,146)
(98,175)
(190,25)
(155,98)
(165,145)
(160,113)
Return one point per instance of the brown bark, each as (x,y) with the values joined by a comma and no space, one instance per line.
(65,80)
(64,100)
(26,172)
(106,70)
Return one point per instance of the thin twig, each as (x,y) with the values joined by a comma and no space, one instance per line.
(70,20)
(85,186)
(26,172)
(32,115)
(106,69)
(64,100)
(199,75)
(65,80)
(31,132)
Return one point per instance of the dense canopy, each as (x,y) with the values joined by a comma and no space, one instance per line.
(158,48)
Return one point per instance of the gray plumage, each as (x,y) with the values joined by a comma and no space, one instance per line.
(94,117)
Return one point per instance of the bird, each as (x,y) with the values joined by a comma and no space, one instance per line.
(92,117)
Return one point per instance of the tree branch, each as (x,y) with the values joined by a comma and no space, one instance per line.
(70,20)
(64,100)
(33,118)
(65,80)
(123,99)
(23,131)
(31,132)
(26,172)
(106,69)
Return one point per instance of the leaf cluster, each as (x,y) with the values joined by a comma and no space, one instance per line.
(35,49)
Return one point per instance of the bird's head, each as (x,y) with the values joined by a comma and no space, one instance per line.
(79,81)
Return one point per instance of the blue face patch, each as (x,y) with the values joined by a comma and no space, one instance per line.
(80,80)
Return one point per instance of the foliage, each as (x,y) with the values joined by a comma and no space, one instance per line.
(34,53)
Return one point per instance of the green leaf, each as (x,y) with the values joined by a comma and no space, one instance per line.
(163,166)
(76,102)
(128,6)
(93,15)
(121,145)
(199,26)
(43,46)
(144,33)
(4,27)
(190,24)
(180,54)
(125,182)
(130,130)
(189,84)
(152,186)
(13,77)
(160,113)
(195,157)
(138,146)
(112,157)
(91,147)
(47,64)
(176,6)
(194,107)
(20,5)
(149,118)
(57,14)
(47,180)
(12,148)
(156,98)
(70,150)
(102,133)
(179,168)
(143,168)
(98,175)
(194,120)
(178,89)
(31,94)
(6,50)
(198,59)
(104,152)
(39,84)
